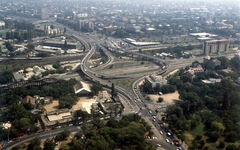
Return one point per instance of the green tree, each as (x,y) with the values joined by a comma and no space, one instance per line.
(235,62)
(64,147)
(95,88)
(218,127)
(31,46)
(113,91)
(224,62)
(221,144)
(57,65)
(160,99)
(65,44)
(78,135)
(112,123)
(34,143)
(62,135)
(49,145)
(231,147)
(83,114)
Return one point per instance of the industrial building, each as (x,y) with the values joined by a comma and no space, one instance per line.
(135,43)
(215,46)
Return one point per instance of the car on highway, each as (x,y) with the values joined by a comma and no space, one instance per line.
(169,134)
(167,140)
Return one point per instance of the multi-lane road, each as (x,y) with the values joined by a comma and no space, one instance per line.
(132,103)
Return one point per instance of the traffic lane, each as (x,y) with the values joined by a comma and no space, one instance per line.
(164,131)
(41,135)
(160,140)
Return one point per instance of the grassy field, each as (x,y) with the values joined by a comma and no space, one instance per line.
(126,84)
(124,63)
(199,130)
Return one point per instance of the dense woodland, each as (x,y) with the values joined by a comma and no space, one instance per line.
(216,106)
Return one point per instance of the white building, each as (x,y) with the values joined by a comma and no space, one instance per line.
(154,80)
(2,25)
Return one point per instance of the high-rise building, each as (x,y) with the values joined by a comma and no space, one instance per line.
(215,46)
(86,25)
(91,26)
(44,13)
(81,24)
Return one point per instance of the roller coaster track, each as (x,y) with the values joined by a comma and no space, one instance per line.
(30,83)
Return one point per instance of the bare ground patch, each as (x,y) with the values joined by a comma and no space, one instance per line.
(167,98)
(84,103)
(188,138)
(52,106)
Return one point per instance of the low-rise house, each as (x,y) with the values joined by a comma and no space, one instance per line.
(29,99)
(82,88)
(211,81)
(193,72)
(60,116)
(19,75)
(48,67)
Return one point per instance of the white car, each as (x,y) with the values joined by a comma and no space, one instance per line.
(158,145)
(161,132)
(150,111)
(167,140)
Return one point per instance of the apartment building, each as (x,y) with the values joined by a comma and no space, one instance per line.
(215,46)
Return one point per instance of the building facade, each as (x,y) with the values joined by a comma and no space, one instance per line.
(85,25)
(154,80)
(2,25)
(215,46)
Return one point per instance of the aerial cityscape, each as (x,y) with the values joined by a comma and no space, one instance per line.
(119,75)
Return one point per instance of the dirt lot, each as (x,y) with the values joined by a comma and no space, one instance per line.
(167,98)
(84,102)
(53,106)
